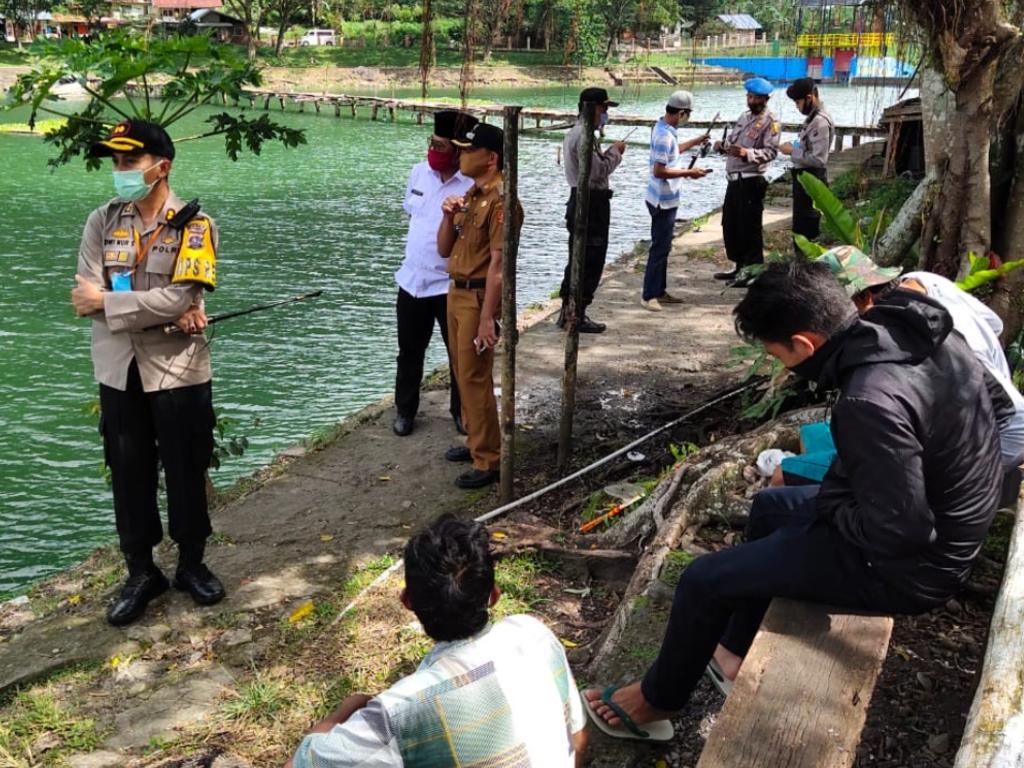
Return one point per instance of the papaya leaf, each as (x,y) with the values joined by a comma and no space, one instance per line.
(808,248)
(836,218)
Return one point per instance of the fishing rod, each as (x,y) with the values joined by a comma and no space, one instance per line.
(706,146)
(172,328)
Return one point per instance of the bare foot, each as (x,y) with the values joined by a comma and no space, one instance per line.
(631,700)
(728,662)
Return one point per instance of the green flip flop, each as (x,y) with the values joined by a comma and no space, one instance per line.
(660,730)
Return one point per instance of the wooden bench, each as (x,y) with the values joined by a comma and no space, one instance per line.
(802,694)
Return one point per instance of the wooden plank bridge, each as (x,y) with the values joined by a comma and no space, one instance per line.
(542,118)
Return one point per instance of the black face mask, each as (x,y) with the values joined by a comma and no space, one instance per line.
(757,109)
(807,108)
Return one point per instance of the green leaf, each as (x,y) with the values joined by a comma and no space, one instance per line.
(836,218)
(809,249)
(979,277)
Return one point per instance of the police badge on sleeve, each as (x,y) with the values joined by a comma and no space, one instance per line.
(197,260)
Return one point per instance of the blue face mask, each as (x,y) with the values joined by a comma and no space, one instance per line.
(131,185)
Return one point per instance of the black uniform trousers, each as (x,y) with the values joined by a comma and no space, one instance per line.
(174,427)
(742,215)
(806,218)
(721,598)
(596,252)
(416,318)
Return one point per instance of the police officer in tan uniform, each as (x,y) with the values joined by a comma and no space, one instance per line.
(145,260)
(810,153)
(471,238)
(750,146)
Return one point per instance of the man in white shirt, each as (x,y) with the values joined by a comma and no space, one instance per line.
(498,694)
(422,278)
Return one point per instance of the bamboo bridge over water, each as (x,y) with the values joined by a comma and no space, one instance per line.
(543,119)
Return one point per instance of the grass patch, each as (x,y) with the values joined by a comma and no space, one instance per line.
(35,717)
(41,126)
(393,56)
(259,699)
(365,575)
(515,577)
(11,56)
(676,562)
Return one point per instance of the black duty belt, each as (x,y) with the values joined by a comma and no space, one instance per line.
(595,194)
(470,284)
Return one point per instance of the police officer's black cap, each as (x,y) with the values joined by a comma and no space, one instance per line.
(135,137)
(596,96)
(451,124)
(800,89)
(484,136)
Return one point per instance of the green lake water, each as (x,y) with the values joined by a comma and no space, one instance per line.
(326,215)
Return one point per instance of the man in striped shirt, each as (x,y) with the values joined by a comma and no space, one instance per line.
(663,195)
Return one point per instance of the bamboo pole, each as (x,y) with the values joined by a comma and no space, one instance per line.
(508,303)
(573,309)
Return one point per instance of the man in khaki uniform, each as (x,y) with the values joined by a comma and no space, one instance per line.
(750,146)
(471,238)
(144,261)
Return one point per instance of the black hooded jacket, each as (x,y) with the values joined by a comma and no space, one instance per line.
(916,481)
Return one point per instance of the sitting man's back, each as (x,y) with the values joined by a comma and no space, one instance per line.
(485,695)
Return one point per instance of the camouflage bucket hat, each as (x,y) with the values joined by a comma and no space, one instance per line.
(855,270)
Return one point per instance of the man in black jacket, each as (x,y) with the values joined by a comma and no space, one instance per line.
(899,518)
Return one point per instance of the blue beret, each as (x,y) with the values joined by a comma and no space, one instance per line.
(758,86)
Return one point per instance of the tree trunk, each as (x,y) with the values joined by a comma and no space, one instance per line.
(906,227)
(966,42)
(282,27)
(426,47)
(957,141)
(1008,301)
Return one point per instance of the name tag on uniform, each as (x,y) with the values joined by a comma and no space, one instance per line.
(121,281)
(416,192)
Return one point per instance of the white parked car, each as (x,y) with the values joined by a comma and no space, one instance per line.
(319,37)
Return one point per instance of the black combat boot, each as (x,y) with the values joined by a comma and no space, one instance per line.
(145,582)
(194,577)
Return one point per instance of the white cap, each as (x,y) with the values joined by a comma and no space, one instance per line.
(681,100)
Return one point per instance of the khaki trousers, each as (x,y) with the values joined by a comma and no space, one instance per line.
(473,374)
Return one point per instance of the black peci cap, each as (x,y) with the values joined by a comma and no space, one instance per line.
(136,136)
(484,136)
(801,89)
(596,96)
(451,124)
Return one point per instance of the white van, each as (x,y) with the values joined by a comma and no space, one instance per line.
(319,37)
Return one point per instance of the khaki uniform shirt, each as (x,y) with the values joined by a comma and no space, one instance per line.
(113,235)
(816,137)
(601,167)
(480,227)
(759,134)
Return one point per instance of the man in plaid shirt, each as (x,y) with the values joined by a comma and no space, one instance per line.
(487,695)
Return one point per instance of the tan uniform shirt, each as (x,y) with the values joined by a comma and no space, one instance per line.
(759,134)
(601,167)
(816,137)
(111,242)
(480,230)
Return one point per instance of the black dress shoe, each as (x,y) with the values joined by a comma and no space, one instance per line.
(477,478)
(402,425)
(730,275)
(459,427)
(199,581)
(458,453)
(135,595)
(586,325)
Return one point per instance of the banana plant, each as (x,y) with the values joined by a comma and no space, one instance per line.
(192,71)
